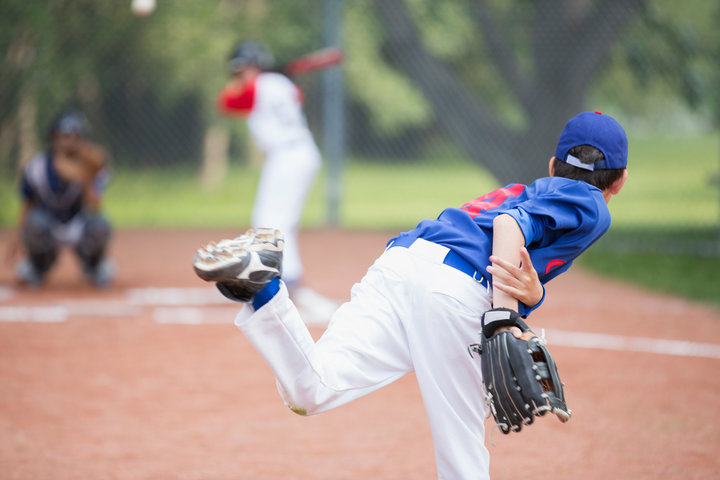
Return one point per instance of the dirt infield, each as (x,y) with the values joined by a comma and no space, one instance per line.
(150,380)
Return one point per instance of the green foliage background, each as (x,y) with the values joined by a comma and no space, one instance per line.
(149,84)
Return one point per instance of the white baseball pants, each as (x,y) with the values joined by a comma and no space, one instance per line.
(409,313)
(287,176)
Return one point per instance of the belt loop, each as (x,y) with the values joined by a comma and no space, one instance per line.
(482,280)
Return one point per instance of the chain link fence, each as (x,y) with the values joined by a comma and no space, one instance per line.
(486,82)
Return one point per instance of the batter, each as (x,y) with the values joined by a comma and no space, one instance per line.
(272,104)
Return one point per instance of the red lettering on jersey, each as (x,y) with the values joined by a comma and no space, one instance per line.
(552,264)
(493,199)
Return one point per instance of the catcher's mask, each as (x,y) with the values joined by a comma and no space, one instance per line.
(70,122)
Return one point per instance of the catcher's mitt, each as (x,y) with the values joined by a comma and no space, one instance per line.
(82,164)
(520,379)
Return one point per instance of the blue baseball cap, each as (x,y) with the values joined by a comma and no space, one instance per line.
(597,130)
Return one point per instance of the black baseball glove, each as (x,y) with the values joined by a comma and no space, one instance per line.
(520,379)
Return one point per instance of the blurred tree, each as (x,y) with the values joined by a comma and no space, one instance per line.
(496,77)
(65,53)
(672,54)
(148,84)
(17,90)
(502,77)
(546,53)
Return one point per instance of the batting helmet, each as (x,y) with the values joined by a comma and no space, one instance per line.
(249,53)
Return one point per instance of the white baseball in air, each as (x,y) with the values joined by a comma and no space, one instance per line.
(142,8)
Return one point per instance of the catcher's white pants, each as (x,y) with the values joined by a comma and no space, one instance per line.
(288,173)
(409,313)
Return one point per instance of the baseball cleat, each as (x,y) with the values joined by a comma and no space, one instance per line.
(28,275)
(102,274)
(244,265)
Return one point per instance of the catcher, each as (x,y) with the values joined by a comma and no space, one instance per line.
(61,190)
(425,299)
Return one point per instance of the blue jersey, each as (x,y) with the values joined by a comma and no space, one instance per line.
(560,218)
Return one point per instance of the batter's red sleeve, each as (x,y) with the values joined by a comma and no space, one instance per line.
(233,100)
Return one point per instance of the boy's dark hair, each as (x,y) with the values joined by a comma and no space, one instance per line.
(587,154)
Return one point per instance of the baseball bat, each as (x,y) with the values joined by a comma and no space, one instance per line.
(314,61)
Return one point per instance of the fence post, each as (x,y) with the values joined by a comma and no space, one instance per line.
(717,185)
(333,115)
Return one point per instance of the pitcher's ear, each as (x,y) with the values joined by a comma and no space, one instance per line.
(551,166)
(618,184)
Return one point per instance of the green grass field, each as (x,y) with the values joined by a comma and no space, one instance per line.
(671,196)
(375,196)
(670,186)
(692,277)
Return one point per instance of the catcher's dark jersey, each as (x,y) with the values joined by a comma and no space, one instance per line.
(560,218)
(42,185)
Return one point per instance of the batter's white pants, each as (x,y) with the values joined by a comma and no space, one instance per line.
(409,313)
(287,176)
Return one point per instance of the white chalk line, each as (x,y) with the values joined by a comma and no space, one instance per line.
(131,306)
(53,314)
(175,305)
(632,344)
(194,315)
(175,296)
(205,315)
(61,313)
(198,306)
